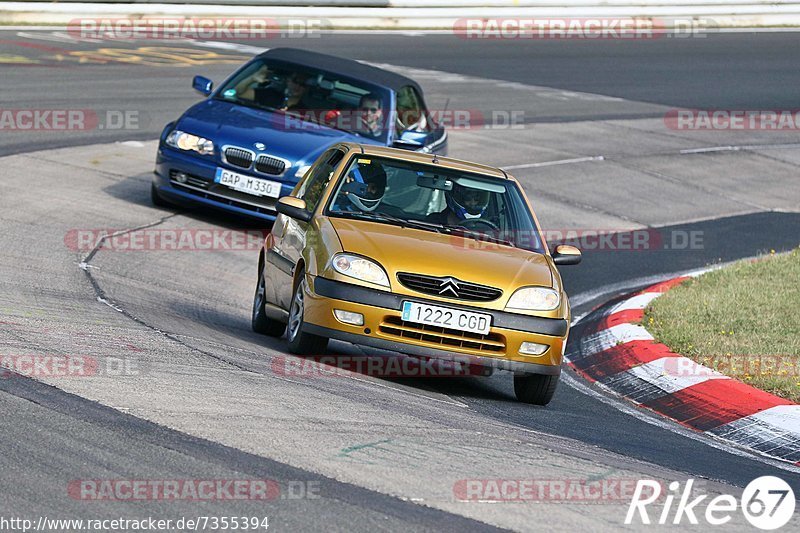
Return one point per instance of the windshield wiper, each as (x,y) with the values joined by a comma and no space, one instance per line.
(417,224)
(398,221)
(430,226)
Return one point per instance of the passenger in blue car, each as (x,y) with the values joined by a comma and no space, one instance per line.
(266,90)
(295,92)
(290,98)
(363,189)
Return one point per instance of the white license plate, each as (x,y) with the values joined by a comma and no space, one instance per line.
(248,184)
(445,317)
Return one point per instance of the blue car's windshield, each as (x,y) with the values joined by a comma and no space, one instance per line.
(308,98)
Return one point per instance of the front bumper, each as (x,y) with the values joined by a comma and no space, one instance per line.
(384,329)
(201,189)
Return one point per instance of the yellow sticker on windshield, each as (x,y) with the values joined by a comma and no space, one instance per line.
(365,161)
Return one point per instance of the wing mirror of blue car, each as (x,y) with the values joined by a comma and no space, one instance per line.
(566,255)
(407,144)
(202,85)
(294,208)
(410,140)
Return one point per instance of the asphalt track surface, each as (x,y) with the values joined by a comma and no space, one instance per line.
(181,319)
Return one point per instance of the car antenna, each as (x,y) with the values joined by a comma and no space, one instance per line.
(436,157)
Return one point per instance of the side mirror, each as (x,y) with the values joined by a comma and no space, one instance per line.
(407,145)
(566,255)
(410,140)
(294,208)
(202,85)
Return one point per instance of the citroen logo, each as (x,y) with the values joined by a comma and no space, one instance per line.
(260,146)
(449,284)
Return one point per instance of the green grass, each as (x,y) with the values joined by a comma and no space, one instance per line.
(743,320)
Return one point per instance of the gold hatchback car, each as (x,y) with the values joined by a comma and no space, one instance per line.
(418,254)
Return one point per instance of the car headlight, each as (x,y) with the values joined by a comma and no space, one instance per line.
(187,141)
(360,268)
(534,299)
(301,171)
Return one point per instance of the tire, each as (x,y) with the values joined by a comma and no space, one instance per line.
(156,198)
(261,323)
(537,389)
(300,342)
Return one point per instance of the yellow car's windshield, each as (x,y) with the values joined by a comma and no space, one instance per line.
(393,191)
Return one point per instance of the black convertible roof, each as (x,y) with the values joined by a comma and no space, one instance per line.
(339,65)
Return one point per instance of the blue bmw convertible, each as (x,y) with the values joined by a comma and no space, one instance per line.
(251,140)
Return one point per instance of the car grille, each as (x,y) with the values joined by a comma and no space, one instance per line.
(270,165)
(447,287)
(443,337)
(239,157)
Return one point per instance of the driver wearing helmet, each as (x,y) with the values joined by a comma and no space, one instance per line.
(463,203)
(363,189)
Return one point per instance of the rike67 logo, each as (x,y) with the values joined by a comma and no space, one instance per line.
(767,503)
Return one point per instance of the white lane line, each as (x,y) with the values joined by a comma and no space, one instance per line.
(236,47)
(50,36)
(711,149)
(57,36)
(556,162)
(737,148)
(131,144)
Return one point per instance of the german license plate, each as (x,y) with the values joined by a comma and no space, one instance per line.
(248,184)
(446,317)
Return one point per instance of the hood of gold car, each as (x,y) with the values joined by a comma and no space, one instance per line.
(416,251)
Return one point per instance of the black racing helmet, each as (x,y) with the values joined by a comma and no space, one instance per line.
(369,187)
(467,202)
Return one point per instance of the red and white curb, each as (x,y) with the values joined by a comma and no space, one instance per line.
(621,356)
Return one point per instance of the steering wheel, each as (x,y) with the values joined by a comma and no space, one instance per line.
(475,223)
